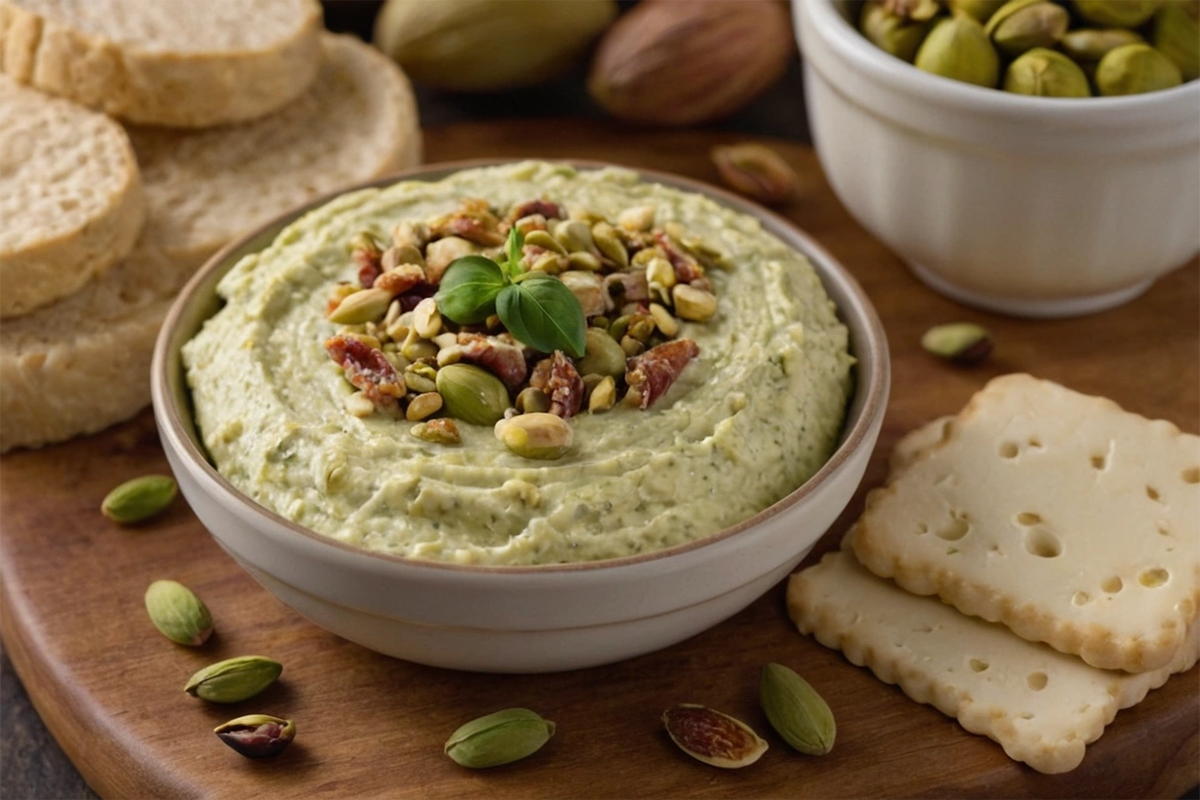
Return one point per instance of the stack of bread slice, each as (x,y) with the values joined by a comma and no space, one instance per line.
(231,112)
(1031,566)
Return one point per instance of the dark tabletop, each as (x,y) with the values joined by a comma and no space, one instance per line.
(32,767)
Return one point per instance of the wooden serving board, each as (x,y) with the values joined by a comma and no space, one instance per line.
(111,689)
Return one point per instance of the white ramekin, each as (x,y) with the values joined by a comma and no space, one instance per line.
(521,619)
(1028,206)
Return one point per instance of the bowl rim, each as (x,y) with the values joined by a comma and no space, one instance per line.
(869,396)
(851,45)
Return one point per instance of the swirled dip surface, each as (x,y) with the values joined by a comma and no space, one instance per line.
(754,416)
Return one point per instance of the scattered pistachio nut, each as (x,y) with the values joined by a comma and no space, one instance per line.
(712,737)
(437,431)
(139,499)
(234,679)
(756,171)
(960,342)
(472,394)
(603,396)
(537,435)
(499,738)
(367,305)
(257,735)
(602,354)
(178,613)
(423,405)
(796,711)
(692,303)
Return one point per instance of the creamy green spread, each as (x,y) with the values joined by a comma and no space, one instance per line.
(749,420)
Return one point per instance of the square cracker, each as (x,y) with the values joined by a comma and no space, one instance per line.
(1042,706)
(1071,521)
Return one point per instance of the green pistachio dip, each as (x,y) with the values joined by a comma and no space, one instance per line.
(749,419)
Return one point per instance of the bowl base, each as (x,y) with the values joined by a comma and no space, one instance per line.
(1024,307)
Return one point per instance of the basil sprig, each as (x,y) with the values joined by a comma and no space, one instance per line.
(536,308)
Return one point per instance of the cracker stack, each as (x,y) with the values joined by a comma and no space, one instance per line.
(1045,552)
(93,244)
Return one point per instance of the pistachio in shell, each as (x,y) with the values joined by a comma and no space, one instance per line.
(1022,25)
(890,32)
(1135,69)
(1177,35)
(1117,13)
(1046,73)
(1090,44)
(499,738)
(178,613)
(257,735)
(958,48)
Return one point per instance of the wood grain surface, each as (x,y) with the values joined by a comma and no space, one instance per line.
(111,689)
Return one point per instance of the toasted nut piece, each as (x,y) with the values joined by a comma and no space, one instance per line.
(423,405)
(631,346)
(530,223)
(605,239)
(618,327)
(668,325)
(660,271)
(544,240)
(638,218)
(692,303)
(575,235)
(411,233)
(362,306)
(583,261)
(601,354)
(439,254)
(393,314)
(588,290)
(438,431)
(421,378)
(359,405)
(399,254)
(549,263)
(419,349)
(537,435)
(643,257)
(531,401)
(427,321)
(641,327)
(603,396)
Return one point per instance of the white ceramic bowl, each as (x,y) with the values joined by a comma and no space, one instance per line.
(520,619)
(1024,205)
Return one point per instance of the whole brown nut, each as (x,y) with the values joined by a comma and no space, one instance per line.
(682,62)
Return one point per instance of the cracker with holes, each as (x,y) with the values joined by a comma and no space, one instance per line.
(1042,706)
(1069,520)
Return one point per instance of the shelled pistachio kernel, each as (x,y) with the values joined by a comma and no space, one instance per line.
(178,613)
(499,738)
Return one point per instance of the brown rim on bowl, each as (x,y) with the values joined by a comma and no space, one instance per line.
(868,345)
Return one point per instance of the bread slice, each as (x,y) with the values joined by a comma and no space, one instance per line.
(184,64)
(1042,706)
(83,363)
(358,121)
(1060,515)
(70,197)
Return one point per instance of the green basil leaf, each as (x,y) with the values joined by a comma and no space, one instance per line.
(516,240)
(541,312)
(469,288)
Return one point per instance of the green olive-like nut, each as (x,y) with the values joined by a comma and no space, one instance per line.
(958,48)
(693,304)
(234,679)
(538,435)
(602,354)
(1022,25)
(178,613)
(1117,13)
(531,400)
(499,738)
(1091,44)
(606,241)
(1135,69)
(890,32)
(603,396)
(472,394)
(961,342)
(1177,35)
(796,711)
(1046,73)
(139,499)
(544,240)
(368,305)
(257,735)
(575,235)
